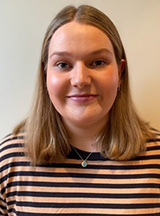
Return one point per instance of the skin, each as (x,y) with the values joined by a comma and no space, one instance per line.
(82,80)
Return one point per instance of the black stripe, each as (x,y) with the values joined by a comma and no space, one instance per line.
(86,205)
(16,164)
(2,207)
(12,138)
(153,140)
(83,175)
(12,155)
(147,157)
(13,145)
(80,175)
(93,157)
(151,148)
(102,167)
(84,195)
(82,185)
(81,214)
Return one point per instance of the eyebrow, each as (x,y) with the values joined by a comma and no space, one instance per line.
(65,53)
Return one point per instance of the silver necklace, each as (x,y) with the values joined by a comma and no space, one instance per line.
(84,161)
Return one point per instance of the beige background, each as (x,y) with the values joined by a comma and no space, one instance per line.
(22,27)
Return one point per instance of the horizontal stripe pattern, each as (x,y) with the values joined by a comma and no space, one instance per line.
(104,187)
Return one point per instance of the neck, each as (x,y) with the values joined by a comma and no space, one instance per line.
(84,142)
(84,138)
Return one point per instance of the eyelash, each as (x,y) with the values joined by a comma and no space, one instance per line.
(102,63)
(59,64)
(67,66)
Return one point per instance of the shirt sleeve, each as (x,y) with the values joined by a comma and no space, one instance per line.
(3,177)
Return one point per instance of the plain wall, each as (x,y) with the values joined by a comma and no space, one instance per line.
(22,27)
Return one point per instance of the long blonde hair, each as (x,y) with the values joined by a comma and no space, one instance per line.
(125,134)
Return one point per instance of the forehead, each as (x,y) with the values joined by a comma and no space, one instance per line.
(77,35)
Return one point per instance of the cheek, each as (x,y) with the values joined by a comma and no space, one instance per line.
(110,83)
(54,87)
(108,88)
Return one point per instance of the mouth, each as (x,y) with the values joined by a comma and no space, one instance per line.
(82,97)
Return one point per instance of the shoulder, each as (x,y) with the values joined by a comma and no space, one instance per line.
(11,141)
(156,136)
(153,144)
(12,146)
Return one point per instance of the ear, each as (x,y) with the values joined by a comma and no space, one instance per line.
(121,68)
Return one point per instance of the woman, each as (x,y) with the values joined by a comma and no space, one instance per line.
(83,150)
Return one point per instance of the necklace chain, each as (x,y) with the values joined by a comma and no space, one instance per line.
(84,161)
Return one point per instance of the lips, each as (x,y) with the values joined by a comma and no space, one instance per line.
(82,97)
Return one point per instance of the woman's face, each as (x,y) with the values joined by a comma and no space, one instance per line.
(82,74)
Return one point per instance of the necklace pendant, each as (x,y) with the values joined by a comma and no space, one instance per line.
(84,164)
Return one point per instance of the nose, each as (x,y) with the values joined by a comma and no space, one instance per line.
(80,76)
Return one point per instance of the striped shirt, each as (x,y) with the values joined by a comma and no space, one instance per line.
(104,187)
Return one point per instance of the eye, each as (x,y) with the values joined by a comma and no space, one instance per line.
(98,63)
(63,65)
